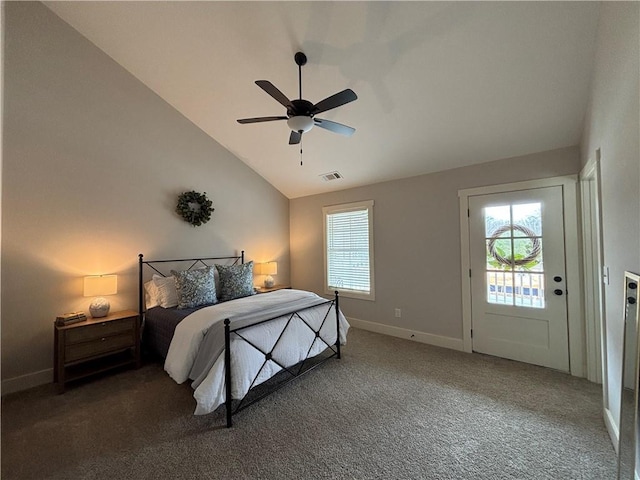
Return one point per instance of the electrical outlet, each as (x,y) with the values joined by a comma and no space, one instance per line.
(398,313)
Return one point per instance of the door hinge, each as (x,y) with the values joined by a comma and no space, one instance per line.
(469,273)
(472,333)
(468,213)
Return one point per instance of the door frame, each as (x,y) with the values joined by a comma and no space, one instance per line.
(577,362)
(593,270)
(595,311)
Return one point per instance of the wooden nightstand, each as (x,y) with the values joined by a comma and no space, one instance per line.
(94,346)
(271,289)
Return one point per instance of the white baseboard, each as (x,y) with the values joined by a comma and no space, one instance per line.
(428,338)
(611,428)
(24,382)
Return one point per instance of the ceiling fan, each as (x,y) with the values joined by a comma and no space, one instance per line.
(301,114)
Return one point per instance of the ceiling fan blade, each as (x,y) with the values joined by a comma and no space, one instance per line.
(295,137)
(270,88)
(334,101)
(260,119)
(334,127)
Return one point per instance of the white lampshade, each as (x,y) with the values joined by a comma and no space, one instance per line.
(300,123)
(97,285)
(268,269)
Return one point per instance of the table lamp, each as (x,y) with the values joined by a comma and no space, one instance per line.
(97,286)
(268,269)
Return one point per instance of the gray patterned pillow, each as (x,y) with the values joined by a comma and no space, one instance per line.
(235,280)
(195,287)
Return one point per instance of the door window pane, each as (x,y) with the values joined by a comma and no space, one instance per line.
(499,254)
(527,254)
(529,291)
(535,265)
(496,217)
(529,216)
(500,288)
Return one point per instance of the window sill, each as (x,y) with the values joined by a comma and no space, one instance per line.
(351,294)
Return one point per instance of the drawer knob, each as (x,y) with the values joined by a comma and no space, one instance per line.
(102,339)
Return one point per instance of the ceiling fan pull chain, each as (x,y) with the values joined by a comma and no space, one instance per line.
(301,150)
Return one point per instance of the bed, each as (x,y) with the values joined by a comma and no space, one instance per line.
(234,346)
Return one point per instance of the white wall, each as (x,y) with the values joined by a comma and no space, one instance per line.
(93,164)
(416,241)
(612,124)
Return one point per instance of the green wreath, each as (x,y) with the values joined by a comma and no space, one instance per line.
(194,207)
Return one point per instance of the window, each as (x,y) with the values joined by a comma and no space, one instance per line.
(515,267)
(348,249)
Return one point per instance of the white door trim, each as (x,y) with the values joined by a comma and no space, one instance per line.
(594,320)
(577,362)
(596,340)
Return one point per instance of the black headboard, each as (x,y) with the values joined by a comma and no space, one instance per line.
(187,264)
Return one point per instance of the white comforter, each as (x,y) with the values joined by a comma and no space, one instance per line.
(246,361)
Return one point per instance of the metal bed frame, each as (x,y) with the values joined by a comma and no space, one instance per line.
(289,372)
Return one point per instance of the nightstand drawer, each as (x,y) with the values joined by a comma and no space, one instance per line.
(99,346)
(99,330)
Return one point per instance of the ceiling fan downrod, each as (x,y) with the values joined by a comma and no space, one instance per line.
(300,59)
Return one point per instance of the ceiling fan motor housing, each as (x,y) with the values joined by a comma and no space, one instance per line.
(300,107)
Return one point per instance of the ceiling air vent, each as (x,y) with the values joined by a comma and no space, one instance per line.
(331,176)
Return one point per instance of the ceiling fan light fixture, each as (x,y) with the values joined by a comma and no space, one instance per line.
(300,123)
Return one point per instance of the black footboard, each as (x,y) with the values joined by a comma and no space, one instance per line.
(291,371)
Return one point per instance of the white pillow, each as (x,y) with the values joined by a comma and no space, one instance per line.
(167,292)
(151,295)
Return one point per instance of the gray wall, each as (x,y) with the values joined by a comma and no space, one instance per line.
(93,163)
(612,124)
(416,240)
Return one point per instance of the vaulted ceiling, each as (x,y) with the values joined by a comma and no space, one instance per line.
(440,85)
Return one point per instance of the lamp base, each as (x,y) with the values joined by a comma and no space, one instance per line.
(99,307)
(269,282)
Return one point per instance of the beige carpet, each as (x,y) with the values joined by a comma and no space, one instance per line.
(390,409)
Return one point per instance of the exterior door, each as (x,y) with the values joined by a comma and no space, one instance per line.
(518,282)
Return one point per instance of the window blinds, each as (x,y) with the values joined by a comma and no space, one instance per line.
(348,250)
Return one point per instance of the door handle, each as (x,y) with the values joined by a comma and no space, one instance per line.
(557,291)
